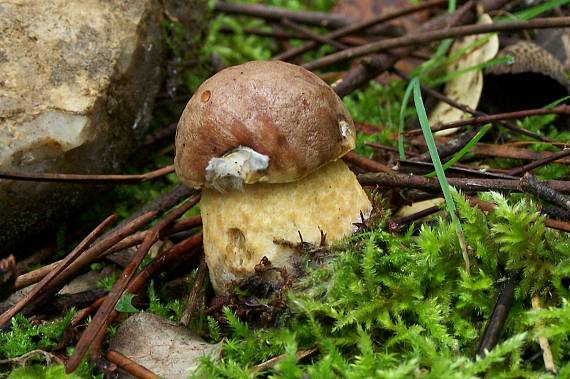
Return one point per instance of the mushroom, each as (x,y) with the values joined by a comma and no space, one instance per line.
(263,140)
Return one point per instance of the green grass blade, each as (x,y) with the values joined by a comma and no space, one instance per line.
(506,59)
(532,12)
(465,149)
(450,204)
(403,108)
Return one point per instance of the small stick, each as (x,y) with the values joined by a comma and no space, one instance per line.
(543,342)
(441,97)
(464,184)
(355,27)
(498,316)
(44,284)
(365,163)
(450,147)
(83,313)
(85,178)
(489,207)
(315,36)
(277,34)
(501,151)
(35,276)
(436,35)
(397,224)
(101,319)
(541,190)
(540,162)
(556,212)
(130,366)
(270,363)
(422,168)
(563,109)
(324,19)
(167,259)
(103,244)
(375,64)
(7,276)
(195,294)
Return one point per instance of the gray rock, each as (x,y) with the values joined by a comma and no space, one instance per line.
(77,81)
(168,350)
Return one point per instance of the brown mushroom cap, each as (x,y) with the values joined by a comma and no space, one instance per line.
(278,109)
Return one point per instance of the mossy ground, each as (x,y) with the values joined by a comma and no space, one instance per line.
(380,305)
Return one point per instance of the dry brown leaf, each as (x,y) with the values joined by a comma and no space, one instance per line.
(467,88)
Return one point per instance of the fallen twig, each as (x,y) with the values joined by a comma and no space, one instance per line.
(44,285)
(543,191)
(540,162)
(83,313)
(130,366)
(365,163)
(498,316)
(489,207)
(23,359)
(196,293)
(375,64)
(563,109)
(85,178)
(101,319)
(441,97)
(464,184)
(436,35)
(355,27)
(35,276)
(501,151)
(397,224)
(94,252)
(325,19)
(314,36)
(270,363)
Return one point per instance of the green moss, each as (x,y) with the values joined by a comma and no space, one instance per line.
(401,306)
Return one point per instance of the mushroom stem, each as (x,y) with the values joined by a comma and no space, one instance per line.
(241,227)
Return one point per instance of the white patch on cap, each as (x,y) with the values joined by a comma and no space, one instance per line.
(233,169)
(345,129)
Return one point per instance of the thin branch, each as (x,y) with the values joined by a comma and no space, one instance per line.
(355,27)
(540,162)
(489,207)
(397,224)
(170,258)
(498,316)
(101,319)
(543,191)
(85,178)
(270,363)
(563,109)
(463,184)
(441,97)
(375,64)
(501,151)
(324,19)
(44,284)
(436,35)
(35,276)
(314,36)
(422,168)
(365,163)
(196,293)
(130,366)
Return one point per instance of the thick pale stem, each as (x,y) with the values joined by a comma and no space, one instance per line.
(543,342)
(241,227)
